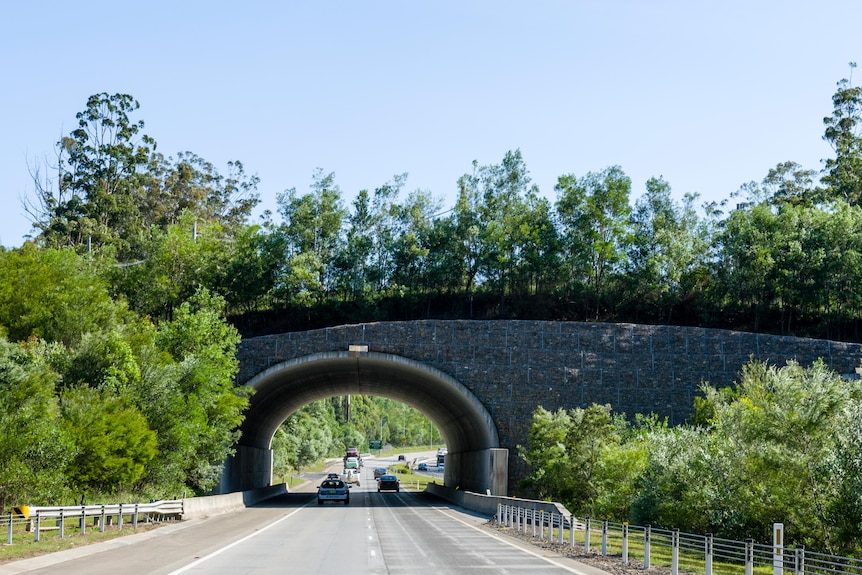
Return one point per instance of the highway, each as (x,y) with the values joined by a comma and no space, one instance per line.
(377,533)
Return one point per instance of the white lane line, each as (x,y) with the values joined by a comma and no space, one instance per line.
(197,562)
(510,544)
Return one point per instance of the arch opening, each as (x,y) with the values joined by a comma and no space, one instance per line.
(473,462)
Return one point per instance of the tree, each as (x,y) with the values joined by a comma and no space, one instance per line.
(113,443)
(54,295)
(101,179)
(34,451)
(844,171)
(201,409)
(594,213)
(192,184)
(666,251)
(311,234)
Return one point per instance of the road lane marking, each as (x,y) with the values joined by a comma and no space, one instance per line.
(200,560)
(510,544)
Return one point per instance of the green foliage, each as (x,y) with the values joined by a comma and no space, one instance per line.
(112,442)
(202,410)
(782,445)
(577,457)
(53,295)
(34,451)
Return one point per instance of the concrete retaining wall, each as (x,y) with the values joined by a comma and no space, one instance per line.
(199,507)
(487,504)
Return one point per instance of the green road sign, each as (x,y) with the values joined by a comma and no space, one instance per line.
(375,444)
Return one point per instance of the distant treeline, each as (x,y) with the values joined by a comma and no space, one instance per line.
(780,256)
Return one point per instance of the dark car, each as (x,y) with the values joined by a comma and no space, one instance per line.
(401,457)
(333,490)
(332,476)
(388,483)
(422,467)
(378,471)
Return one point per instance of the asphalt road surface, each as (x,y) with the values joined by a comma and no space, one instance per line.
(377,533)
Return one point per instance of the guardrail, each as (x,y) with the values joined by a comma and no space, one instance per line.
(34,521)
(695,553)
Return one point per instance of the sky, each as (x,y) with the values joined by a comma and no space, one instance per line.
(707,95)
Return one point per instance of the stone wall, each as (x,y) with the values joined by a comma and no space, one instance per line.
(514,366)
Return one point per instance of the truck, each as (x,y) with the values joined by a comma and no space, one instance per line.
(441,456)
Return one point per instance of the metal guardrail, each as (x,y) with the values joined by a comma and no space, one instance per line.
(35,521)
(700,553)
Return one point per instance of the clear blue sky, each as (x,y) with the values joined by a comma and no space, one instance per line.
(707,95)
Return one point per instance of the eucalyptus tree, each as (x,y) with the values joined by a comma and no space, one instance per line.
(667,251)
(843,173)
(311,232)
(190,184)
(746,271)
(101,175)
(594,212)
(352,261)
(411,248)
(501,213)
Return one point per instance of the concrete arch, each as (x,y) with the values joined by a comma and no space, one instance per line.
(474,461)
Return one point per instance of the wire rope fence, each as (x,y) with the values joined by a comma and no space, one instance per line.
(681,552)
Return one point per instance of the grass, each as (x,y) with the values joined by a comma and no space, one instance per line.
(660,554)
(409,480)
(24,545)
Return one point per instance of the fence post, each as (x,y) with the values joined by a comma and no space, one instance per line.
(61,523)
(777,548)
(499,514)
(38,525)
(587,535)
(799,560)
(674,558)
(532,522)
(541,525)
(625,542)
(708,552)
(83,520)
(102,520)
(571,530)
(604,538)
(562,524)
(9,531)
(647,533)
(135,517)
(120,517)
(749,557)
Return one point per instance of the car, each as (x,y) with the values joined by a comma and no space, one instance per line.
(352,463)
(350,476)
(332,476)
(388,483)
(422,467)
(352,452)
(401,457)
(378,471)
(333,490)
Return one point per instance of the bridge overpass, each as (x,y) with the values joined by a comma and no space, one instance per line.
(480,381)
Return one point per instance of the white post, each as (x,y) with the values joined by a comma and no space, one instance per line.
(777,548)
(708,551)
(647,533)
(674,556)
(560,533)
(625,542)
